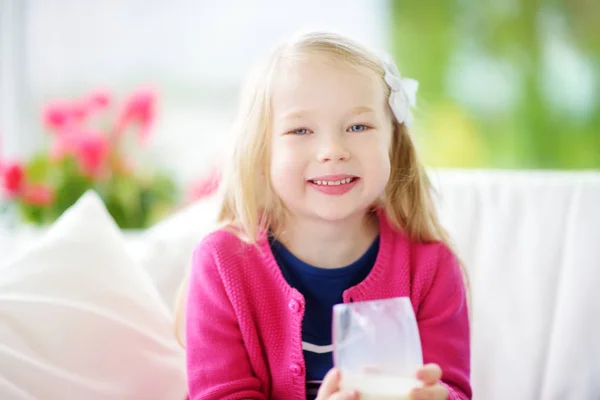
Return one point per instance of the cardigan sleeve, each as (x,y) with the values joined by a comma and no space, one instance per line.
(443,320)
(218,365)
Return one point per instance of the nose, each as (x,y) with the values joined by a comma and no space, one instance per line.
(333,149)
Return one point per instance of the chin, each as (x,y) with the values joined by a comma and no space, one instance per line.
(333,213)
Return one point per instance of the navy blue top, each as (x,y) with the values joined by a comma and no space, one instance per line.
(322,289)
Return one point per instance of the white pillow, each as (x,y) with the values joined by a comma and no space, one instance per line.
(80,320)
(165,250)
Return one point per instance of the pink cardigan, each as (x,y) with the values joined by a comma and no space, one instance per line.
(243,321)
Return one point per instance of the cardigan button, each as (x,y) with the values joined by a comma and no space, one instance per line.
(294,305)
(296,369)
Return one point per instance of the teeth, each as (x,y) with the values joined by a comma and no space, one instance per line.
(334,183)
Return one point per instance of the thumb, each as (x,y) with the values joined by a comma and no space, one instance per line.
(330,385)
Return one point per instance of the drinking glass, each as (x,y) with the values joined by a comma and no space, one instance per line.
(377,348)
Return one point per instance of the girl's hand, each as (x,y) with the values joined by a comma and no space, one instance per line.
(432,389)
(330,388)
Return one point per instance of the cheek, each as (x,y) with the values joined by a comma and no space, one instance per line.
(377,160)
(380,165)
(286,166)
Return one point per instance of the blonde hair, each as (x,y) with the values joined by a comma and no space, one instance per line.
(249,204)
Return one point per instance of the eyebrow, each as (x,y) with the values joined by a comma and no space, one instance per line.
(355,111)
(361,110)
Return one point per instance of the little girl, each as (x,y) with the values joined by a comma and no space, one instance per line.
(324,202)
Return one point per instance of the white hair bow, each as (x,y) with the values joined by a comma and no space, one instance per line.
(403,93)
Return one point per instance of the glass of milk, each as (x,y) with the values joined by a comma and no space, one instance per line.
(376,346)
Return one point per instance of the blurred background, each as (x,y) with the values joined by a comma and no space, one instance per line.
(503,84)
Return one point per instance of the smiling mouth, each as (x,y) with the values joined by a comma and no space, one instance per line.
(333,183)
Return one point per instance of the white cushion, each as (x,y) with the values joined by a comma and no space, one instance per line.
(79,319)
(165,250)
(530,242)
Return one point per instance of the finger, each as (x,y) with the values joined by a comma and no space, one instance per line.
(330,385)
(345,395)
(437,392)
(429,374)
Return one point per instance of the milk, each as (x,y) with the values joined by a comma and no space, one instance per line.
(379,387)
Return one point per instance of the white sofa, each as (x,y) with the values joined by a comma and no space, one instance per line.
(86,312)
(531,244)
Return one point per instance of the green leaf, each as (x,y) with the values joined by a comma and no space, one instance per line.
(38,168)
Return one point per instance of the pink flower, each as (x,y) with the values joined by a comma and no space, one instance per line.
(90,149)
(99,99)
(65,143)
(13,179)
(57,115)
(80,110)
(139,109)
(92,152)
(60,115)
(38,195)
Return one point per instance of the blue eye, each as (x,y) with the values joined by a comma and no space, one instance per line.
(358,128)
(300,131)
